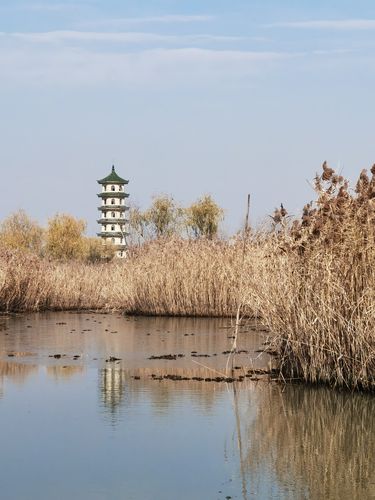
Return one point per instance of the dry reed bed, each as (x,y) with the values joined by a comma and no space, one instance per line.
(170,277)
(319,295)
(28,283)
(322,332)
(312,282)
(319,304)
(182,278)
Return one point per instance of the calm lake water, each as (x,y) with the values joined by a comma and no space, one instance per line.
(80,427)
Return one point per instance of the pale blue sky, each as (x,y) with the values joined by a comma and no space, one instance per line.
(185,97)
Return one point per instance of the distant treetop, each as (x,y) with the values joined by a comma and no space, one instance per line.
(113,178)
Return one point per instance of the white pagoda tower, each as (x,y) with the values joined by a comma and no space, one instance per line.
(114,223)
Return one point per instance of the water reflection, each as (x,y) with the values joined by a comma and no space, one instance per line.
(59,372)
(134,340)
(264,441)
(17,372)
(120,389)
(314,443)
(112,383)
(319,442)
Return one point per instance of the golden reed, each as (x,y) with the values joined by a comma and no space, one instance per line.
(311,281)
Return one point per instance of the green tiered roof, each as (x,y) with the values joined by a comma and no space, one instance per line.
(113,178)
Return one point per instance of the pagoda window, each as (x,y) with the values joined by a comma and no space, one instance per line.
(121,253)
(112,228)
(113,240)
(105,201)
(113,188)
(120,188)
(121,214)
(113,201)
(104,214)
(105,187)
(113,215)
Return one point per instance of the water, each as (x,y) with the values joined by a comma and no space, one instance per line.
(85,428)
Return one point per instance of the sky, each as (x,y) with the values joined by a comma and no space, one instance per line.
(186,98)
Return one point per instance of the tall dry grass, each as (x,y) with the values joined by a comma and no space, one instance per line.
(319,296)
(182,278)
(166,277)
(311,281)
(30,283)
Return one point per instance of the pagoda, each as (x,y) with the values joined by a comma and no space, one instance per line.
(113,212)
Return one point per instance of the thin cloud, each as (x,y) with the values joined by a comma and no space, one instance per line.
(119,22)
(49,7)
(50,37)
(342,24)
(171,18)
(41,65)
(329,52)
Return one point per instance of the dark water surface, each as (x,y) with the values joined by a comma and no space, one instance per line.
(85,428)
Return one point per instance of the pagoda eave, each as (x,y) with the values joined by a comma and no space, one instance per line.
(114,208)
(113,178)
(103,182)
(113,194)
(112,221)
(113,234)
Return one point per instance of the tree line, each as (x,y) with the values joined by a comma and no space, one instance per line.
(166,218)
(64,237)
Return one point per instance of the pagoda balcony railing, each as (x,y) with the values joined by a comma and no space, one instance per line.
(113,194)
(116,246)
(117,220)
(112,234)
(118,208)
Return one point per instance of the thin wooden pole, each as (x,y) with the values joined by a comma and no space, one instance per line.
(240,289)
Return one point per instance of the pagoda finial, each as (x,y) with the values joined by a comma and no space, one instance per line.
(113,168)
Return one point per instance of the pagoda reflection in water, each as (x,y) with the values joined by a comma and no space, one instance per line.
(112,387)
